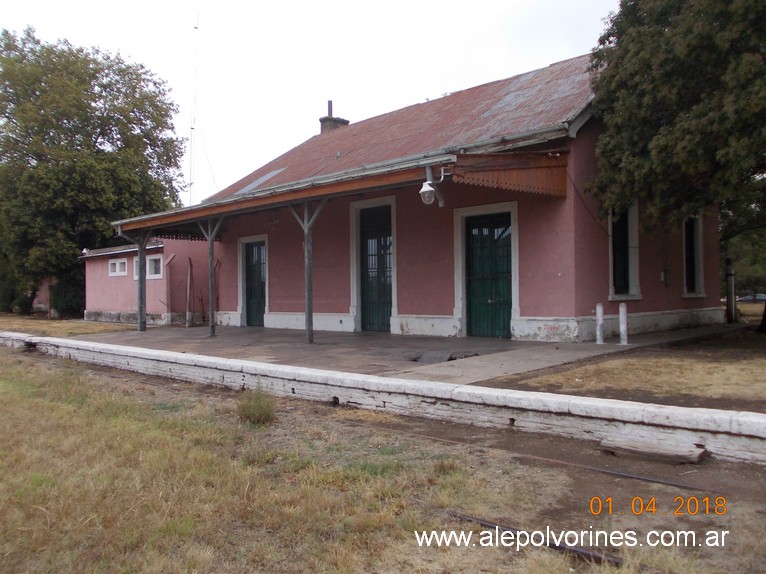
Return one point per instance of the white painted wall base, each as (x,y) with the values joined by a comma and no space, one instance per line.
(435,326)
(552,329)
(229,319)
(731,435)
(132,317)
(322,321)
(577,329)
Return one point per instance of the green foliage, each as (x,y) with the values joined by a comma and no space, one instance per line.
(681,88)
(748,254)
(8,290)
(68,294)
(85,139)
(256,407)
(22,304)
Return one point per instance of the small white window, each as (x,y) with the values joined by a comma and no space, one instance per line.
(118,267)
(153,267)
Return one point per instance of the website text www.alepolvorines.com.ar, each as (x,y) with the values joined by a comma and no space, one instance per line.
(521,539)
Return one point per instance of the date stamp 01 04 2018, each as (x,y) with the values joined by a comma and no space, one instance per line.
(681,506)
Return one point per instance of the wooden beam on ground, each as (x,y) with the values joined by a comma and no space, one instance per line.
(660,452)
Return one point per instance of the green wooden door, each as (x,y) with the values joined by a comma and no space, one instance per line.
(255,283)
(376,267)
(488,275)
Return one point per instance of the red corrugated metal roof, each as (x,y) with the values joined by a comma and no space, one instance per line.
(536,101)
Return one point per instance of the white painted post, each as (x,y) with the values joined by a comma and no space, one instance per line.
(623,324)
(599,324)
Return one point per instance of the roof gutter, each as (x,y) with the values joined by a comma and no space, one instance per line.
(116,251)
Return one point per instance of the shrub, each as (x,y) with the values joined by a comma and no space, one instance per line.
(8,289)
(68,295)
(256,407)
(22,304)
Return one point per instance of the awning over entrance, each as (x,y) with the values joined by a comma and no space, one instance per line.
(544,173)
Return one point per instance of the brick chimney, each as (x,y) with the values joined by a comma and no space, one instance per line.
(329,122)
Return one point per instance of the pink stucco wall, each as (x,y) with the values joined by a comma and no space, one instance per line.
(110,295)
(177,256)
(563,250)
(563,257)
(658,250)
(424,252)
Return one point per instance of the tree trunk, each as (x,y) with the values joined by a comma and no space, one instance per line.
(762,327)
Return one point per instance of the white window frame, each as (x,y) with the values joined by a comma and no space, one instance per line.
(634,287)
(120,267)
(149,274)
(698,259)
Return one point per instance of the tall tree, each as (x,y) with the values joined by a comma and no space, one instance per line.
(85,138)
(681,88)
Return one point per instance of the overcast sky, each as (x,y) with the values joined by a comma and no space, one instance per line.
(253,78)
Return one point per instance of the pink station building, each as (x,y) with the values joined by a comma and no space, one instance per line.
(463,216)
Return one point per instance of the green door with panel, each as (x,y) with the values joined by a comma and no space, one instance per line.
(376,265)
(255,283)
(488,275)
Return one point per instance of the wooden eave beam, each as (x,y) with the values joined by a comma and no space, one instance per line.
(246,204)
(542,173)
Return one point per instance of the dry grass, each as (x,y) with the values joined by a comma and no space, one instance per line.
(256,407)
(37,325)
(96,481)
(96,477)
(731,368)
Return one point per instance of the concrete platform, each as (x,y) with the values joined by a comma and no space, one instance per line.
(469,360)
(381,372)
